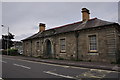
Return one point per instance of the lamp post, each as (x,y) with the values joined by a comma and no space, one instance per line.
(7,37)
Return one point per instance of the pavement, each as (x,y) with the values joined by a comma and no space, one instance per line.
(94,65)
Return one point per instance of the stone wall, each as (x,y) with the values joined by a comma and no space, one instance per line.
(106,43)
(118,44)
(70,52)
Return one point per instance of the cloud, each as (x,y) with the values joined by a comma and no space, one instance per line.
(24,17)
(22,36)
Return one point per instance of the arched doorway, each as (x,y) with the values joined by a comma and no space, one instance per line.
(48,49)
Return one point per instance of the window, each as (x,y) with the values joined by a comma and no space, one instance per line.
(62,44)
(92,43)
(37,45)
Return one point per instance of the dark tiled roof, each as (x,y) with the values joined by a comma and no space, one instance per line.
(92,23)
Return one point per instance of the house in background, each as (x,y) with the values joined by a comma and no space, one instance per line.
(19,46)
(88,40)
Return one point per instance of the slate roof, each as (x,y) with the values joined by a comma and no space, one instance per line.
(92,23)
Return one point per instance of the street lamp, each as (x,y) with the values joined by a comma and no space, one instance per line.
(7,38)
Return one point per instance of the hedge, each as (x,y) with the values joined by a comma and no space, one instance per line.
(10,52)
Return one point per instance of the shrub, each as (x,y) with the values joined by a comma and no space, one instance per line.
(12,52)
(61,58)
(4,52)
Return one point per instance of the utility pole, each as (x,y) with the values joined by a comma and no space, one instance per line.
(8,41)
(7,38)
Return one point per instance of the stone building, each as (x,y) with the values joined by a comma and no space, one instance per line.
(88,40)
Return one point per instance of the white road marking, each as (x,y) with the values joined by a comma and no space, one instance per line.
(101,70)
(22,66)
(78,67)
(1,78)
(45,63)
(3,61)
(95,73)
(52,73)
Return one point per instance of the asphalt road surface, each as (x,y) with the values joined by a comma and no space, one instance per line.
(17,68)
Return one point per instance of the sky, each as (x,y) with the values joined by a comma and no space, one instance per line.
(23,18)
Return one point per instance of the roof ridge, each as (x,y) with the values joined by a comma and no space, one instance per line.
(106,21)
(70,24)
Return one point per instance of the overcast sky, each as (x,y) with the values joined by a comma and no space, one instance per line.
(23,17)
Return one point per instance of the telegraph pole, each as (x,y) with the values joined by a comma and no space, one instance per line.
(8,41)
(7,38)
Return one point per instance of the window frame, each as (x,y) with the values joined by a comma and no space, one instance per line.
(89,48)
(61,50)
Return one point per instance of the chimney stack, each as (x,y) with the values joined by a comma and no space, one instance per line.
(85,14)
(41,27)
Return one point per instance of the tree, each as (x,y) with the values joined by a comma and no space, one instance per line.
(7,42)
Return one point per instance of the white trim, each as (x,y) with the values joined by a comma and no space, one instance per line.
(93,53)
(92,50)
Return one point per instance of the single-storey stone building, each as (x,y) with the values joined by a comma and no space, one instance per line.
(88,40)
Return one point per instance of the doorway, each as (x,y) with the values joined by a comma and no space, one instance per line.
(48,48)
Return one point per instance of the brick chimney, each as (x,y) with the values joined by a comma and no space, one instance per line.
(41,27)
(85,14)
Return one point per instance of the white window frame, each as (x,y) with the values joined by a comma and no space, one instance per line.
(93,51)
(64,45)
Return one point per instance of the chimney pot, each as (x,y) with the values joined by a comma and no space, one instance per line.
(85,14)
(41,27)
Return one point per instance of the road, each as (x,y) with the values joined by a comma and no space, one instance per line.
(18,68)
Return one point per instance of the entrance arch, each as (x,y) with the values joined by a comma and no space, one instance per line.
(48,48)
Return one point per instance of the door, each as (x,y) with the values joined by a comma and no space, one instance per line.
(48,49)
